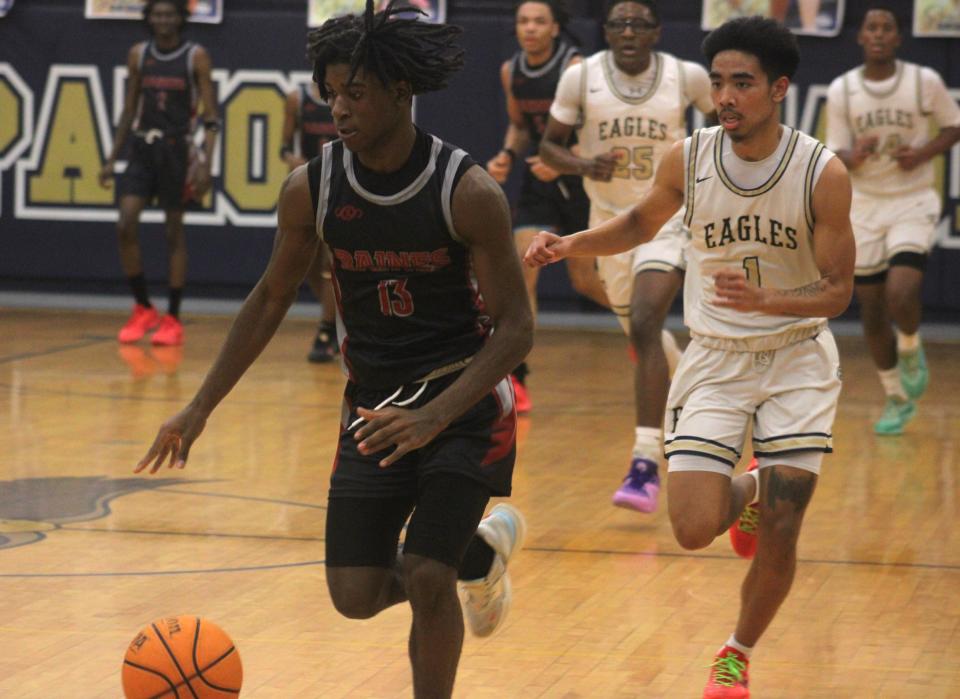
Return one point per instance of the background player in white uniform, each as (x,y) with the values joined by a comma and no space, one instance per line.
(771,256)
(628,105)
(878,124)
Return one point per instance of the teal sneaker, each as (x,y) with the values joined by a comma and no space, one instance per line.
(913,373)
(896,414)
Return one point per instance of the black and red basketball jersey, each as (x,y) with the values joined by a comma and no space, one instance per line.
(168,90)
(534,87)
(407,300)
(316,125)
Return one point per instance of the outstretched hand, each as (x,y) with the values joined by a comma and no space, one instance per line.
(545,249)
(173,442)
(405,429)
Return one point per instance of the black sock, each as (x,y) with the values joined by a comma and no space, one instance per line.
(477,560)
(138,285)
(174,304)
(520,373)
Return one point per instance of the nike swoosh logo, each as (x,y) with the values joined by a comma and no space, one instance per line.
(595,89)
(701,179)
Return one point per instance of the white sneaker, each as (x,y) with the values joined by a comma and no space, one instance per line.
(487,600)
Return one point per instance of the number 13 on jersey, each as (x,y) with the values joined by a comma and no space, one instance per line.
(395,300)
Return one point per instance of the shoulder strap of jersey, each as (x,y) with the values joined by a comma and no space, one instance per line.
(808,185)
(447,189)
(691,175)
(323,198)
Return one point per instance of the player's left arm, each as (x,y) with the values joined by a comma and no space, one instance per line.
(946,114)
(203,73)
(481,218)
(833,248)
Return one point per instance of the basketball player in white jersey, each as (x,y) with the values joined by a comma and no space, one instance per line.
(878,123)
(628,105)
(771,256)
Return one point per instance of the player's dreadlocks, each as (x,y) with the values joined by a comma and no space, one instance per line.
(392,47)
(179,5)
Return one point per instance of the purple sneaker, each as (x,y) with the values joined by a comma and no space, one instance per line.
(640,488)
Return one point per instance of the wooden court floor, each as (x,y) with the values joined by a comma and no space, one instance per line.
(606,604)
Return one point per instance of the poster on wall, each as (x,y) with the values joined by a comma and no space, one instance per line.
(319,11)
(202,11)
(814,17)
(936,18)
(5,6)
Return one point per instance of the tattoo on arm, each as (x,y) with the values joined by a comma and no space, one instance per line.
(814,289)
(795,490)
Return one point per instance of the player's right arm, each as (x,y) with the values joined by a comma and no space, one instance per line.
(254,326)
(624,232)
(291,111)
(555,150)
(517,140)
(852,151)
(130,100)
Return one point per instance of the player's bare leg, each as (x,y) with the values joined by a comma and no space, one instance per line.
(653,292)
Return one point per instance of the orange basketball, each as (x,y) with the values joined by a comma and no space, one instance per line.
(181,657)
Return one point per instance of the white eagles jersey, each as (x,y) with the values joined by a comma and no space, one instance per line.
(638,129)
(764,227)
(897,112)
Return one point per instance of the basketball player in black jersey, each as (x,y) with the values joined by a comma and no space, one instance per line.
(165,77)
(308,119)
(425,271)
(548,200)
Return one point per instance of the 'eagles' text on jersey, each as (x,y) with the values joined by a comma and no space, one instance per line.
(766,230)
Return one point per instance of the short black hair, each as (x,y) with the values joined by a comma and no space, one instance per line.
(392,47)
(558,8)
(878,7)
(649,4)
(180,6)
(774,45)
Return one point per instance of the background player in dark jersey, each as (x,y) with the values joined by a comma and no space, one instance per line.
(307,119)
(428,427)
(548,200)
(165,77)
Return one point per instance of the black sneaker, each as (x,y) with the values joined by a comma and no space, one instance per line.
(325,346)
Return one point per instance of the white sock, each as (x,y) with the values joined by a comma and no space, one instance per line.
(646,443)
(755,473)
(891,383)
(734,643)
(907,343)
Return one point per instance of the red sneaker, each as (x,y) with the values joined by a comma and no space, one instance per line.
(728,676)
(520,396)
(169,333)
(142,319)
(743,533)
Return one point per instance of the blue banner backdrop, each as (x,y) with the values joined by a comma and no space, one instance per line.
(61,92)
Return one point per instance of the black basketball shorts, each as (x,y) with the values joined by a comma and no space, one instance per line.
(561,205)
(156,170)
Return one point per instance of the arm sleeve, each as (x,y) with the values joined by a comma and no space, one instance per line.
(697,86)
(566,103)
(839,136)
(936,100)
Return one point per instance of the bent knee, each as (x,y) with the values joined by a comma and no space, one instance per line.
(353,606)
(427,581)
(693,535)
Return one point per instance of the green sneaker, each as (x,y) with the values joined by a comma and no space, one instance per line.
(896,414)
(913,373)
